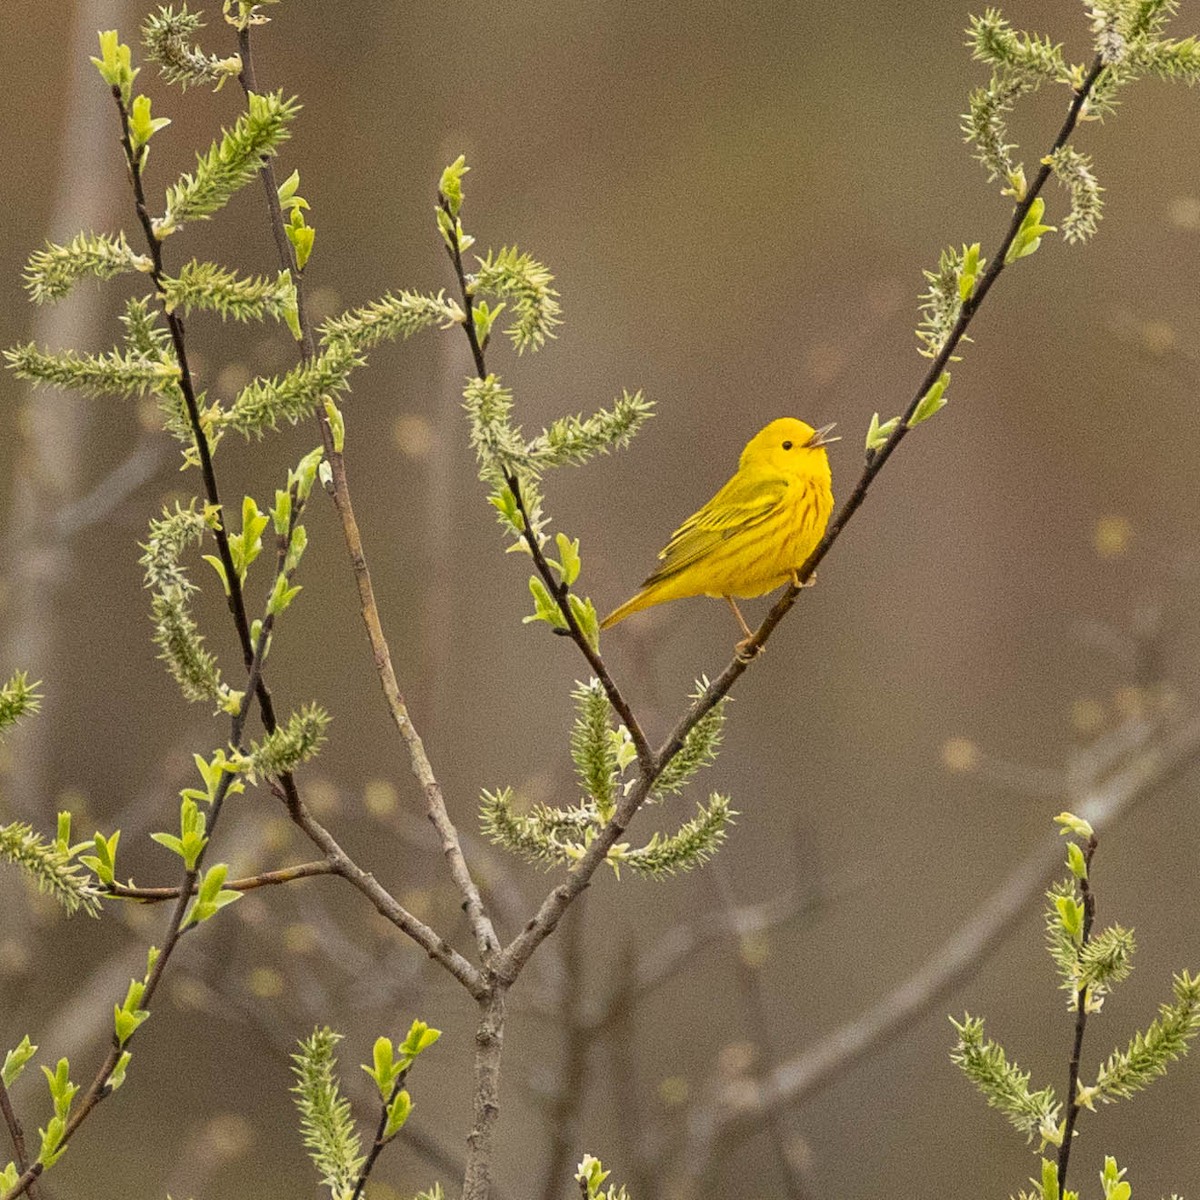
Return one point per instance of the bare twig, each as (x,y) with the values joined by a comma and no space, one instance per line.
(15,1131)
(795,1186)
(562,1121)
(155,895)
(481,924)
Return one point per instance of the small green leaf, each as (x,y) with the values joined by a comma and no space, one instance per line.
(420,1037)
(142,126)
(545,606)
(115,63)
(1049,1180)
(933,401)
(878,434)
(398,1112)
(16,1060)
(118,1074)
(1070,823)
(1029,236)
(1076,861)
(569,563)
(337,425)
(450,184)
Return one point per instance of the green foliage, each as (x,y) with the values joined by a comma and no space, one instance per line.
(50,866)
(1004,1085)
(396,315)
(52,272)
(291,744)
(179,641)
(62,1093)
(102,861)
(572,441)
(18,697)
(117,373)
(602,755)
(190,843)
(329,1133)
(932,402)
(700,748)
(691,845)
(211,287)
(211,896)
(129,1016)
(263,403)
(594,746)
(389,1069)
(1090,964)
(230,164)
(214,771)
(1150,1052)
(509,273)
(167,37)
(1029,235)
(299,233)
(1074,171)
(590,1175)
(878,432)
(15,1061)
(115,65)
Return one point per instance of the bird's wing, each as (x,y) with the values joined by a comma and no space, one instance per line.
(741,504)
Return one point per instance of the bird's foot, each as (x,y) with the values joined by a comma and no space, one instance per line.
(809,582)
(746,651)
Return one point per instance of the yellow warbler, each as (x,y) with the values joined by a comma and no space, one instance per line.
(756,532)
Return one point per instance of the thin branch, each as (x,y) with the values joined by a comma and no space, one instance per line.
(795,1185)
(15,1132)
(1081,1016)
(155,895)
(380,1141)
(439,816)
(389,907)
(562,1121)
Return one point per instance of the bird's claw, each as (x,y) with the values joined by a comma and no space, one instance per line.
(746,651)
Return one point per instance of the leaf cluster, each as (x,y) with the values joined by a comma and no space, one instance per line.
(1090,965)
(602,753)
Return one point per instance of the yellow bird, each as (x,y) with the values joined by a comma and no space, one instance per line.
(756,532)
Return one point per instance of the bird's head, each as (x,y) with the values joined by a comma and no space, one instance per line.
(790,447)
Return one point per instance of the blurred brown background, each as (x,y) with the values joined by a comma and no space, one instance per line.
(737,201)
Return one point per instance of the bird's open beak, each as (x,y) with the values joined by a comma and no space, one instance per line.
(821,437)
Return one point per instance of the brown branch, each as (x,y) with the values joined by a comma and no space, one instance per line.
(155,895)
(435,803)
(562,1121)
(795,1185)
(389,907)
(15,1131)
(489,1048)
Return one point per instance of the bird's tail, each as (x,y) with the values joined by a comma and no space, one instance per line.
(644,599)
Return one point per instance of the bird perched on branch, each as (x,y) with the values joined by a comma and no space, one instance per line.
(756,532)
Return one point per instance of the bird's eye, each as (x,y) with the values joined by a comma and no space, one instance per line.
(787,445)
